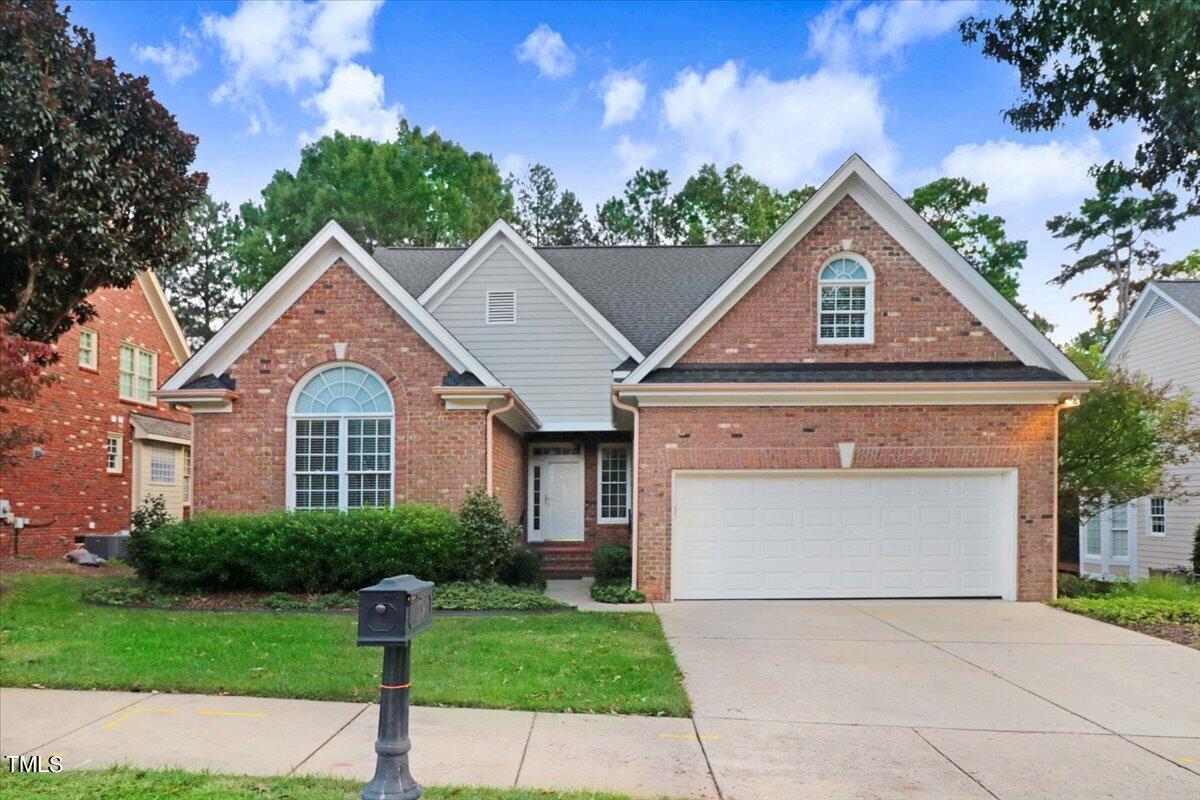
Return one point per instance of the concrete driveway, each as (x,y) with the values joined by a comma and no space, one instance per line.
(935,699)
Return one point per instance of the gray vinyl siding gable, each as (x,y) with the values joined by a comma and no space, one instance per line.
(558,366)
(1166,347)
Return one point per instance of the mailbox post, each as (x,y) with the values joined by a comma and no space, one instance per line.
(390,613)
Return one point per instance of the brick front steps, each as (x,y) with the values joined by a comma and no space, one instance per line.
(566,559)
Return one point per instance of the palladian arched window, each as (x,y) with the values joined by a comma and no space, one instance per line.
(846,302)
(340,423)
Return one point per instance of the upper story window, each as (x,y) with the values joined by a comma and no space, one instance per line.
(501,307)
(341,421)
(137,368)
(87,348)
(1158,516)
(846,302)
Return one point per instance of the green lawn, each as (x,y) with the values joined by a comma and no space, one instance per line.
(133,784)
(618,663)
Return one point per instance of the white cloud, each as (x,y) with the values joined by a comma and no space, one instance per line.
(633,154)
(1026,173)
(285,43)
(623,93)
(783,132)
(513,164)
(177,61)
(353,104)
(545,48)
(854,34)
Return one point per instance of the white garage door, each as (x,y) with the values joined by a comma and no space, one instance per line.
(777,534)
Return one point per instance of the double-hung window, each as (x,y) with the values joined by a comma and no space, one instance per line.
(613,469)
(1092,537)
(1119,532)
(112,453)
(1158,516)
(137,370)
(87,348)
(341,440)
(845,302)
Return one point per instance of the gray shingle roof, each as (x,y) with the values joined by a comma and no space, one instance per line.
(1186,293)
(157,426)
(852,373)
(645,292)
(211,382)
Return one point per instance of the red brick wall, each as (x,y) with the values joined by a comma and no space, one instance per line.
(916,319)
(593,532)
(508,470)
(1020,436)
(239,458)
(68,492)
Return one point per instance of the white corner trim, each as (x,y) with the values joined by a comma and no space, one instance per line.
(301,272)
(1135,316)
(164,316)
(500,234)
(856,179)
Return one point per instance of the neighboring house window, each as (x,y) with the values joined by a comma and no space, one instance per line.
(341,420)
(187,475)
(112,452)
(501,307)
(162,464)
(1092,537)
(613,469)
(1158,516)
(87,348)
(846,301)
(1119,532)
(137,370)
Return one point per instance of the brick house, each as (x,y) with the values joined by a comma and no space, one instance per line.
(846,410)
(106,441)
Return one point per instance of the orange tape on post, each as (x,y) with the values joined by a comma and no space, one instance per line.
(397,686)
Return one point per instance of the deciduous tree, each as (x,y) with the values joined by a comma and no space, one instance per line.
(731,207)
(23,365)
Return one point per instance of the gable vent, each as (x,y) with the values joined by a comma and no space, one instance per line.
(501,307)
(1161,305)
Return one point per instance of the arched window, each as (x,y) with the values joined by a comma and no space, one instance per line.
(846,302)
(340,422)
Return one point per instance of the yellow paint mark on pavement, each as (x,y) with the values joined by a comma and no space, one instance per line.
(1186,760)
(204,712)
(134,712)
(685,736)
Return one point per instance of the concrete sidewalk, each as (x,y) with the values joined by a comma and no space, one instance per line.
(639,756)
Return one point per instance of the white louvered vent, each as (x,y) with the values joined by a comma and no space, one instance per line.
(501,307)
(1160,306)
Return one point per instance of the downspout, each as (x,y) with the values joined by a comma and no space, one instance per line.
(633,489)
(492,412)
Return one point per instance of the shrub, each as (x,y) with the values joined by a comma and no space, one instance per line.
(308,551)
(612,564)
(616,593)
(1071,585)
(522,567)
(1159,587)
(489,596)
(1196,553)
(488,536)
(1134,609)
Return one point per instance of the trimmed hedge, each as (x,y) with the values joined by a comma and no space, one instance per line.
(523,567)
(311,551)
(612,563)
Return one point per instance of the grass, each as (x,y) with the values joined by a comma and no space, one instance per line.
(123,783)
(600,663)
(1151,602)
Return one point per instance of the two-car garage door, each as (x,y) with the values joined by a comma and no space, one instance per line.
(785,534)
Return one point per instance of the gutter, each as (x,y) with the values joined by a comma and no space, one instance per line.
(633,489)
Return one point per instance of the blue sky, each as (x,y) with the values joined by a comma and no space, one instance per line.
(593,90)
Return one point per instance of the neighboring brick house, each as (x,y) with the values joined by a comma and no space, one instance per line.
(846,410)
(106,441)
(1160,339)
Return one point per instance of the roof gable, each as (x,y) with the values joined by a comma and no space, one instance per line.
(1183,296)
(164,316)
(326,248)
(858,181)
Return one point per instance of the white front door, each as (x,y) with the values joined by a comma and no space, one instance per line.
(556,498)
(843,533)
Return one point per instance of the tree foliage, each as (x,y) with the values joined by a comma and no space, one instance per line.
(93,170)
(1111,62)
(203,286)
(546,217)
(418,189)
(1114,225)
(1122,440)
(23,365)
(731,207)
(643,214)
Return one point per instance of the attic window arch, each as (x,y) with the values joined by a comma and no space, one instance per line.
(846,301)
(340,439)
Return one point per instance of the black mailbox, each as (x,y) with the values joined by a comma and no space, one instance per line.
(394,610)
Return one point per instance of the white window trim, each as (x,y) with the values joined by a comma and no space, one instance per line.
(1160,517)
(343,433)
(93,358)
(153,374)
(163,448)
(120,440)
(600,518)
(187,475)
(1087,552)
(487,307)
(868,336)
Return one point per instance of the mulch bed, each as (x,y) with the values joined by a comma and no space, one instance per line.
(1178,632)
